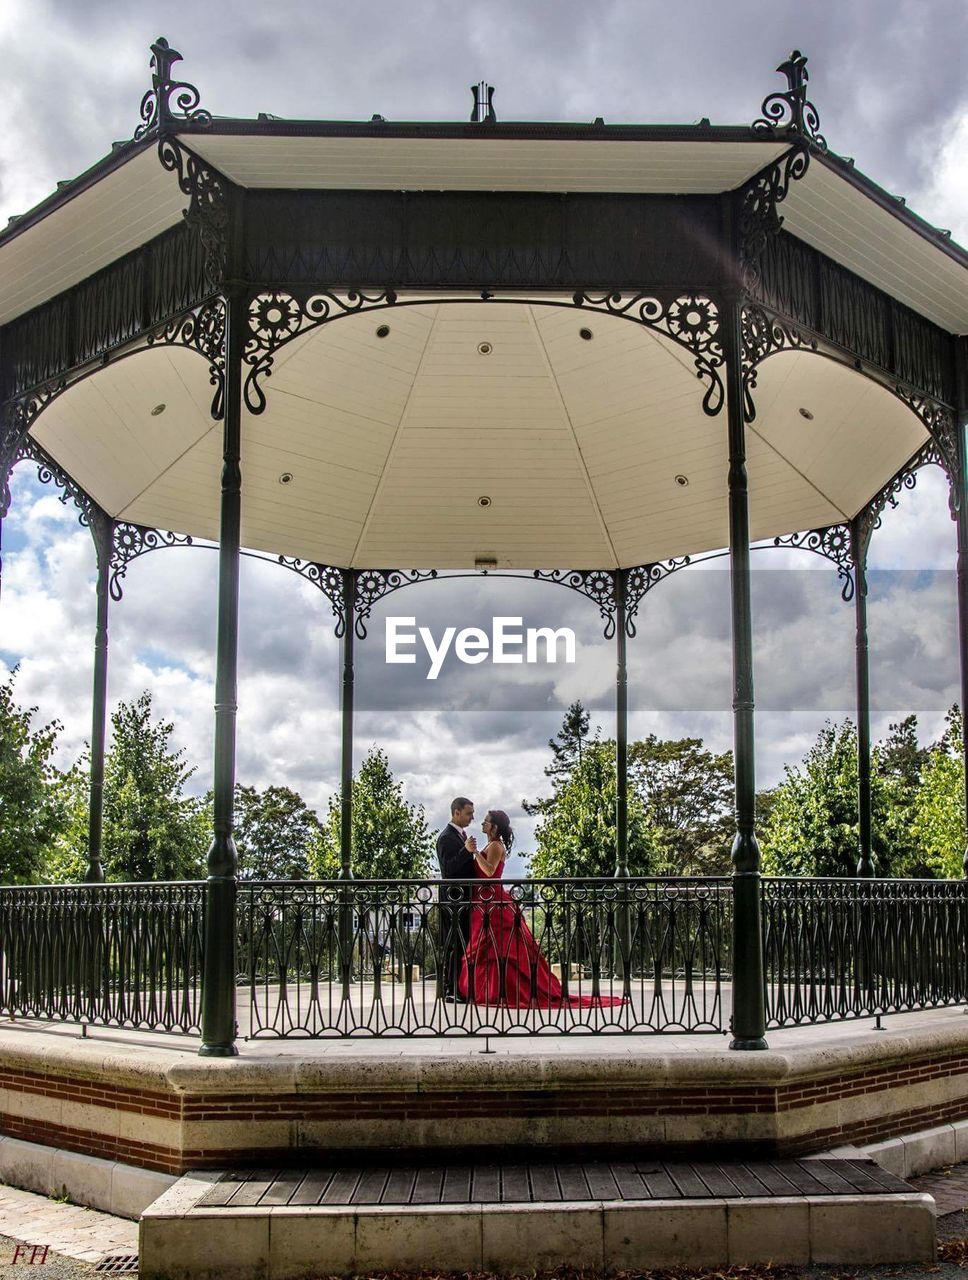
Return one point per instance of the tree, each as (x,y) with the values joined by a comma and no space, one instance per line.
(276,833)
(687,795)
(577,836)
(391,839)
(152,831)
(812,828)
(31,809)
(938,820)
(66,858)
(566,751)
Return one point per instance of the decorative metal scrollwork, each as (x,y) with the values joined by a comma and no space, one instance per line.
(792,111)
(834,543)
(373,584)
(598,585)
(207,212)
(869,518)
(275,318)
(16,418)
(133,540)
(641,580)
(764,334)
(169,102)
(759,221)
(939,421)
(325,577)
(691,320)
(201,330)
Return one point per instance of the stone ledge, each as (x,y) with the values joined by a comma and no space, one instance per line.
(179,1241)
(120,1189)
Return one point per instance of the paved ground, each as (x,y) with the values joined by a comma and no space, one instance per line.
(78,1239)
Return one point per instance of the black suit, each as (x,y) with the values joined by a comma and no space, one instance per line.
(455,912)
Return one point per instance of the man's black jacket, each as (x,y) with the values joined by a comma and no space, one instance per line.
(455,862)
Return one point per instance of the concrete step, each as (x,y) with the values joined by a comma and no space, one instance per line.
(606,1216)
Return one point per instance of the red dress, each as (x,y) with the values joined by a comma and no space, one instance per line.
(503,964)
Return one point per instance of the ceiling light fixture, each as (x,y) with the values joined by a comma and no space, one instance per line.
(383,331)
(682,481)
(805,413)
(485,562)
(159,408)
(586,334)
(286,478)
(483,500)
(484,348)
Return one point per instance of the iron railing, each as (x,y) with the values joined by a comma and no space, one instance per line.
(375,958)
(115,955)
(370,958)
(837,949)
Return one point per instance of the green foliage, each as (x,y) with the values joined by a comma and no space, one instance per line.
(566,751)
(66,858)
(938,822)
(152,831)
(31,811)
(687,795)
(577,834)
(276,833)
(391,839)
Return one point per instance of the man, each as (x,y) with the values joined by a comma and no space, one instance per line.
(456,863)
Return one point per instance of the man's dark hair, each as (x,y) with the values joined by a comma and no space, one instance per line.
(459,802)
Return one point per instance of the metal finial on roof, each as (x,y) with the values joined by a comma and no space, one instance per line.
(792,111)
(483,112)
(168,101)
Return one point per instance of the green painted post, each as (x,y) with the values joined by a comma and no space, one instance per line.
(104,544)
(219,961)
(749,986)
(865,860)
(346,780)
(622,943)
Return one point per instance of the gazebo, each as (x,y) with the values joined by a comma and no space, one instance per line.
(643,343)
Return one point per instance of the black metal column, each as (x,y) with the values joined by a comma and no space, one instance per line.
(749,989)
(960,487)
(104,545)
(858,551)
(219,964)
(346,780)
(621,727)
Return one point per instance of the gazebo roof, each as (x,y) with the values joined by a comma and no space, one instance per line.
(127,198)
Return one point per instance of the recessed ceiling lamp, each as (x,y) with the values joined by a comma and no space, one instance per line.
(586,334)
(286,478)
(805,413)
(682,481)
(383,331)
(158,409)
(483,500)
(484,348)
(485,562)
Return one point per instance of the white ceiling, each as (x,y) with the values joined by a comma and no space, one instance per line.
(391,442)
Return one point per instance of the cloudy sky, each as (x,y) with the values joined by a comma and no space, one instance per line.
(887,77)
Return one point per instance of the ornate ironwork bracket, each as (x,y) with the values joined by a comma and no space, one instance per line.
(276,318)
(791,112)
(869,517)
(373,584)
(201,330)
(834,543)
(598,585)
(169,102)
(691,320)
(90,515)
(765,334)
(641,580)
(939,421)
(133,540)
(759,221)
(323,576)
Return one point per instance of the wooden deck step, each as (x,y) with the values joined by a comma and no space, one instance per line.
(284,1224)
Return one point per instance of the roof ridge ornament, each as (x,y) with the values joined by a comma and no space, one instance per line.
(169,102)
(483,112)
(792,111)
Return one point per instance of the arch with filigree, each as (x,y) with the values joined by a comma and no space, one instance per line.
(691,320)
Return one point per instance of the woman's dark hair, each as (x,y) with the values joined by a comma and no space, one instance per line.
(499,819)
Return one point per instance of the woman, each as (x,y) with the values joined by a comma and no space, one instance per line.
(503,963)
